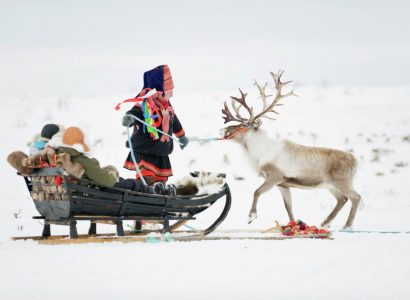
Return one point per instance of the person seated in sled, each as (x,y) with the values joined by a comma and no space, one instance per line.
(38,148)
(72,143)
(47,133)
(68,151)
(71,153)
(152,148)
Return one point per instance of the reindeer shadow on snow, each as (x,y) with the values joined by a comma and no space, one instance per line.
(285,164)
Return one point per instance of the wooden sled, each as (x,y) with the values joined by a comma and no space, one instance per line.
(61,200)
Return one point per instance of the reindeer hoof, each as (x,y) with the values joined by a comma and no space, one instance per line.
(325,225)
(252,216)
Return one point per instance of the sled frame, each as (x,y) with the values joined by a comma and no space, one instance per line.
(116,199)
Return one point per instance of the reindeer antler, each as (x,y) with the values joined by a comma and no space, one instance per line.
(278,86)
(237,102)
(228,115)
(263,96)
(242,102)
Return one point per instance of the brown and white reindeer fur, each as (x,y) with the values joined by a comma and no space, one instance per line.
(285,164)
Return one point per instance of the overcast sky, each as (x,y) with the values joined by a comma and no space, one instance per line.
(93,48)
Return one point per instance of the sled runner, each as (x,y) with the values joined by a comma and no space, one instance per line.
(175,236)
(61,200)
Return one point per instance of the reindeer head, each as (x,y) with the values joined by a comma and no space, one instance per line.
(253,121)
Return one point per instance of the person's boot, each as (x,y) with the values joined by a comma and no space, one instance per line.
(170,190)
(158,188)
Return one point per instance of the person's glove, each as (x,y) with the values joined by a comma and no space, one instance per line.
(183,141)
(127,120)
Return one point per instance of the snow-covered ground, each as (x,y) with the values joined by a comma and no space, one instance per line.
(371,122)
(69,61)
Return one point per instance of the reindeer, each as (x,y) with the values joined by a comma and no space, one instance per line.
(285,164)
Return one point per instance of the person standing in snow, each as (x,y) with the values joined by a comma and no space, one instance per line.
(151,147)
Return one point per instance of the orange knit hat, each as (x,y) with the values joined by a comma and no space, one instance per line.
(74,135)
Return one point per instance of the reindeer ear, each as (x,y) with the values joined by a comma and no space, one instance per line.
(221,175)
(194,174)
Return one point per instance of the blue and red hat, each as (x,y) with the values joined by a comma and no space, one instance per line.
(159,78)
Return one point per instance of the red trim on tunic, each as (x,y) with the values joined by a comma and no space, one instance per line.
(143,164)
(149,173)
(180,133)
(158,171)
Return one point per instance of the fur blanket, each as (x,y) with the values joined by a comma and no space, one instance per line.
(200,183)
(25,164)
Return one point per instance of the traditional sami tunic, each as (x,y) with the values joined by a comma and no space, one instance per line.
(152,154)
(152,148)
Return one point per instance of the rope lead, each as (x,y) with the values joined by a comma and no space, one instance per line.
(133,157)
(175,139)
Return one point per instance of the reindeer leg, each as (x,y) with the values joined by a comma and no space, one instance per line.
(266,186)
(341,201)
(287,199)
(354,197)
(271,179)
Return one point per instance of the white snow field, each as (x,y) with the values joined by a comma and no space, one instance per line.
(371,122)
(71,62)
